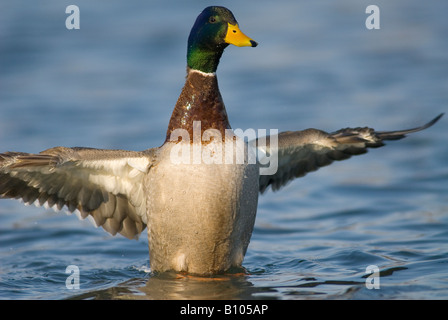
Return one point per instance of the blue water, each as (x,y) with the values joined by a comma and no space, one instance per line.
(113,83)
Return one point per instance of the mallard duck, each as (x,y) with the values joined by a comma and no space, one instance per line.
(197,203)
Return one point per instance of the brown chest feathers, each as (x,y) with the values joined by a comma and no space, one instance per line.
(200,100)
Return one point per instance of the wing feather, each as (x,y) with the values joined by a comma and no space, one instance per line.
(106,184)
(300,152)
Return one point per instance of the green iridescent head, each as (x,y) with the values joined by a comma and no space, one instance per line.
(214,29)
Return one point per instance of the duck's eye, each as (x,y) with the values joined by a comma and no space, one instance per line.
(212,19)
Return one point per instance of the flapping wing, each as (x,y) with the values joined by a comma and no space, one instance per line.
(300,152)
(106,184)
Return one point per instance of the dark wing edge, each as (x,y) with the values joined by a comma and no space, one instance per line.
(301,152)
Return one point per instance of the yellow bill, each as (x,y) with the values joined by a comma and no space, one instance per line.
(236,37)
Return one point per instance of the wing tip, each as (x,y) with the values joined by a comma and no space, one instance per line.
(400,134)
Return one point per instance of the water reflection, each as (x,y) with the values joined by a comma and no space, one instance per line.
(239,286)
(175,286)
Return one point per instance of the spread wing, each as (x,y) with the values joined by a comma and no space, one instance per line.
(300,152)
(106,184)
